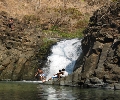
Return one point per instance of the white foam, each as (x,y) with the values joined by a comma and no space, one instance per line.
(64,55)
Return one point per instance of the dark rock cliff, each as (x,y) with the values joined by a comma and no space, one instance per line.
(18,49)
(101,47)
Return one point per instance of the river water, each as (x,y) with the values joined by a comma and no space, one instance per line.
(35,91)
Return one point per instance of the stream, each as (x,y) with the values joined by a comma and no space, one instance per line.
(34,91)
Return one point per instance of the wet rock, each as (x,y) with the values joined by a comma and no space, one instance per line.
(68,80)
(95,80)
(117,86)
(100,45)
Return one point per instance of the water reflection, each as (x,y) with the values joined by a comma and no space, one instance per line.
(47,92)
(55,93)
(35,91)
(18,91)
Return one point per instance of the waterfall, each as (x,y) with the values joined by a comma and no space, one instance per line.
(64,55)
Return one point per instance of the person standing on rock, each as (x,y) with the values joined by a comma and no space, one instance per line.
(10,24)
(40,75)
(55,75)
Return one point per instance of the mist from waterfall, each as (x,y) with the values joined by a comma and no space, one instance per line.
(64,55)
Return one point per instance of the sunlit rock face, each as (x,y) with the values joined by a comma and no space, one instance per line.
(101,46)
(17,49)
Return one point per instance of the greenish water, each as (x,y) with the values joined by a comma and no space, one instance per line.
(35,91)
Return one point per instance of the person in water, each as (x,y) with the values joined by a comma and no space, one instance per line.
(11,24)
(64,73)
(55,76)
(40,75)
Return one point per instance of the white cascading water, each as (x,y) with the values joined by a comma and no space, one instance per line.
(64,55)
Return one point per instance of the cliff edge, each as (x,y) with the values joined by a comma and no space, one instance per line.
(100,60)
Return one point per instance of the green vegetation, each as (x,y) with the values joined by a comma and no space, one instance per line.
(69,12)
(45,44)
(31,18)
(62,23)
(44,48)
(71,23)
(74,13)
(57,23)
(68,35)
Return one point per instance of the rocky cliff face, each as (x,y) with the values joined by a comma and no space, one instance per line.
(21,39)
(18,47)
(101,47)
